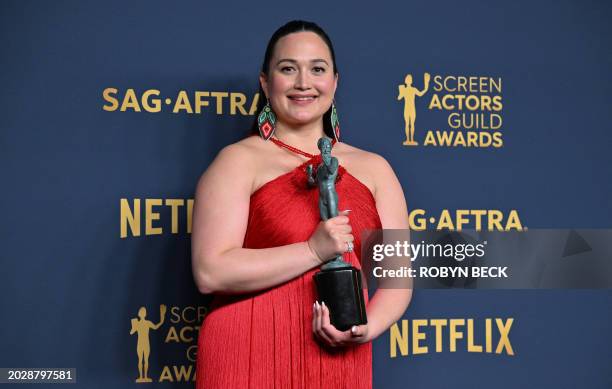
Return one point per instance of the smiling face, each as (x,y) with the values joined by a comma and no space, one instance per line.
(301,82)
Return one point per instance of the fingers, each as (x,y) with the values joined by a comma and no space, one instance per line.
(329,335)
(358,331)
(346,238)
(345,212)
(335,336)
(341,243)
(331,237)
(344,228)
(338,220)
(342,217)
(314,320)
(339,227)
(340,232)
(317,324)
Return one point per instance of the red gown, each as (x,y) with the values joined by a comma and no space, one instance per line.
(265,339)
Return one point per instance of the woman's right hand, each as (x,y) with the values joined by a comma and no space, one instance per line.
(331,236)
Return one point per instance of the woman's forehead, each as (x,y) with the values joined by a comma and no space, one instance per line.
(302,46)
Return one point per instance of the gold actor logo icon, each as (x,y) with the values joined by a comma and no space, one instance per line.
(408,93)
(141,326)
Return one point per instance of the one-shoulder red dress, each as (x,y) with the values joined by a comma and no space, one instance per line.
(265,339)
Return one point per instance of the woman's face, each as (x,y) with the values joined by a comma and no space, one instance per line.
(301,82)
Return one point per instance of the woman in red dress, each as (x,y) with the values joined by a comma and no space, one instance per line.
(257,236)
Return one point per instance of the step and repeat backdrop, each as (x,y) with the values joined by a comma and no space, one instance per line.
(110,112)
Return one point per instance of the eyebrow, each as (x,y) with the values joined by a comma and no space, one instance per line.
(294,61)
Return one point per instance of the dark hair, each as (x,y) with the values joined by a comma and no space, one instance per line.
(289,28)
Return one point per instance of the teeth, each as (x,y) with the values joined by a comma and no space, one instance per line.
(302,98)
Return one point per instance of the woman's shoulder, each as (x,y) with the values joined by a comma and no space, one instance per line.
(368,167)
(245,153)
(242,149)
(376,173)
(234,162)
(251,161)
(363,159)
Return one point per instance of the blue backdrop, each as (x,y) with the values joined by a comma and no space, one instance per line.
(98,185)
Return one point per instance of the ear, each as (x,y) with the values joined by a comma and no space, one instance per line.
(263,80)
(335,82)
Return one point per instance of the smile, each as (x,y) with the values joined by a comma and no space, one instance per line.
(302,99)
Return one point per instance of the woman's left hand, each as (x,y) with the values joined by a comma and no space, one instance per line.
(329,335)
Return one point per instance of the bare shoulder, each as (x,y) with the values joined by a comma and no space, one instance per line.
(355,154)
(370,168)
(242,151)
(235,163)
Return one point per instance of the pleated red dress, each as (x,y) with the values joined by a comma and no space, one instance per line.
(265,339)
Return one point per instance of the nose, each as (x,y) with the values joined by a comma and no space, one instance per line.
(302,81)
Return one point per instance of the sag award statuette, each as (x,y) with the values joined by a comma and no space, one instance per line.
(338,283)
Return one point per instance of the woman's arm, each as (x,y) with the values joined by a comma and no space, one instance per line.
(220,217)
(388,305)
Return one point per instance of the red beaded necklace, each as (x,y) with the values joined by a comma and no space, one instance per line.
(280,143)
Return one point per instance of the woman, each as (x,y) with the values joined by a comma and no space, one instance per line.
(257,236)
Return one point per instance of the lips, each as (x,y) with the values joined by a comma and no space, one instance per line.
(302,97)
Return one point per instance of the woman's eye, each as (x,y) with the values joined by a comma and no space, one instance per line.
(319,69)
(286,68)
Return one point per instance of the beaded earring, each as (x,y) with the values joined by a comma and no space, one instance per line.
(334,121)
(266,121)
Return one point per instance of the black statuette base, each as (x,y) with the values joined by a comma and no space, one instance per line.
(341,291)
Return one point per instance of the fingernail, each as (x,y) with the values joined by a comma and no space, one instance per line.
(323,303)
(354,329)
(348,210)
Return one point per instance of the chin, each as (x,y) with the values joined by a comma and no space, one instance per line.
(305,119)
(301,120)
